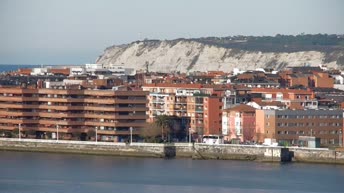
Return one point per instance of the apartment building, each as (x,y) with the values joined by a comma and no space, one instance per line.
(66,112)
(289,125)
(292,98)
(201,106)
(239,123)
(212,106)
(312,77)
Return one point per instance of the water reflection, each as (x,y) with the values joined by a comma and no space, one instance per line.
(50,173)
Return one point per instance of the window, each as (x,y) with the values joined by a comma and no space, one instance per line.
(323,141)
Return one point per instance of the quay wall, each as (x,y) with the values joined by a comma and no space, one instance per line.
(178,150)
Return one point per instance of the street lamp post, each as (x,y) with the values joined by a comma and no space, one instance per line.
(19,131)
(189,135)
(131,135)
(96,134)
(57,132)
(340,138)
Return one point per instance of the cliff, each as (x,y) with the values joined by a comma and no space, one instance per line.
(187,55)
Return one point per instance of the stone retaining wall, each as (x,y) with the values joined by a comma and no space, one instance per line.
(186,150)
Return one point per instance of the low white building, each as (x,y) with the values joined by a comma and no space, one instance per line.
(77,71)
(120,70)
(39,71)
(338,79)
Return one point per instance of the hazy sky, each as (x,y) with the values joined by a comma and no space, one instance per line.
(77,31)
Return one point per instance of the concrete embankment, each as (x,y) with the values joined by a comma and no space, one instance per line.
(195,151)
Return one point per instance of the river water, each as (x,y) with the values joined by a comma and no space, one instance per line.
(23,172)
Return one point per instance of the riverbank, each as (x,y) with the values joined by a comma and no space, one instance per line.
(174,150)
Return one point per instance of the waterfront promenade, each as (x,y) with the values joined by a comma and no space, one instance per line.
(174,150)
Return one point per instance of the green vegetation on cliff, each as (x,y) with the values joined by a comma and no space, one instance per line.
(279,43)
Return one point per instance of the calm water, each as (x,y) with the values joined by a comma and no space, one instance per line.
(50,173)
(15,67)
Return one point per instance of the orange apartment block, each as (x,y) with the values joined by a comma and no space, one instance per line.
(70,111)
(292,98)
(59,71)
(298,79)
(321,80)
(312,79)
(212,115)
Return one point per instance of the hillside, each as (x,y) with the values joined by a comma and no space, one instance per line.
(244,52)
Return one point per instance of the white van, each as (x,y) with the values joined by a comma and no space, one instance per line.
(213,139)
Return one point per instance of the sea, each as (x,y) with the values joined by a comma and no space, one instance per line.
(24,172)
(15,67)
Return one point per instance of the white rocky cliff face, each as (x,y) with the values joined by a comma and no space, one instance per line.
(188,56)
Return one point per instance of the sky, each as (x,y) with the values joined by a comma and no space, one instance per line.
(77,31)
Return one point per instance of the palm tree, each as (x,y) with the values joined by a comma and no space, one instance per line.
(164,122)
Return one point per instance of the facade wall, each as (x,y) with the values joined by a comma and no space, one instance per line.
(322,80)
(298,81)
(63,71)
(240,125)
(190,101)
(249,126)
(288,125)
(260,126)
(196,113)
(109,112)
(212,115)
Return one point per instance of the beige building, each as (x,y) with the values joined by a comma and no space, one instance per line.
(289,125)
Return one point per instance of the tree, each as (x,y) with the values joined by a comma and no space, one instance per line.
(164,123)
(30,133)
(150,132)
(15,132)
(91,133)
(76,133)
(249,131)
